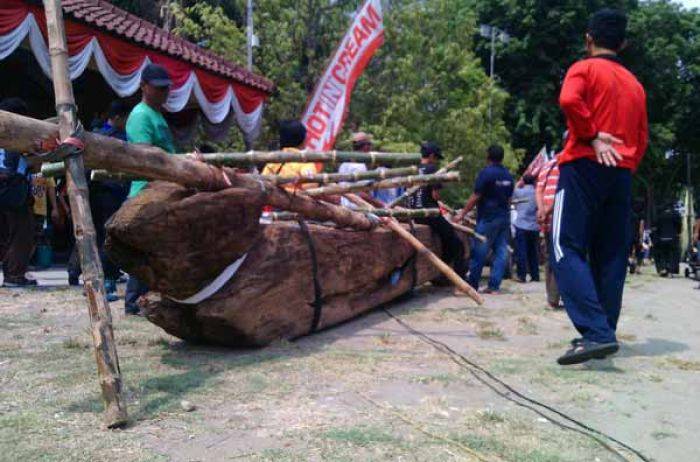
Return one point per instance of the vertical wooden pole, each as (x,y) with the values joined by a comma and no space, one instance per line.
(98,308)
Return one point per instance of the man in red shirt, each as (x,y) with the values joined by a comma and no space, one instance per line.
(605,108)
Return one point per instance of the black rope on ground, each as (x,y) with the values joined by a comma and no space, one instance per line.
(472,368)
(317,304)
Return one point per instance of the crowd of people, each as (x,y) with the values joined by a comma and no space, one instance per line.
(579,204)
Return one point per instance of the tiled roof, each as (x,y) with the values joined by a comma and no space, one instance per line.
(106,17)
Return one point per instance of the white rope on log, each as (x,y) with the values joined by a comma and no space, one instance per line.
(215,285)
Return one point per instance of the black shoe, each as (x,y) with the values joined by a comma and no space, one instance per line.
(73,280)
(586,350)
(19,282)
(132,311)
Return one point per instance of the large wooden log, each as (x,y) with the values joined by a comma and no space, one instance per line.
(19,133)
(85,238)
(169,236)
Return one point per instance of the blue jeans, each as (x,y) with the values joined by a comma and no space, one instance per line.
(590,240)
(496,231)
(527,253)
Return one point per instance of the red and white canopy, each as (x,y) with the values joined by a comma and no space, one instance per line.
(122,44)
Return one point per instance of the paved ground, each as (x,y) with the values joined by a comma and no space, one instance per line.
(366,390)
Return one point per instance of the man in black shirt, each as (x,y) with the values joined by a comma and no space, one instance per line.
(427,197)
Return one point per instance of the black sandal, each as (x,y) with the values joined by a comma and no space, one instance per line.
(585,350)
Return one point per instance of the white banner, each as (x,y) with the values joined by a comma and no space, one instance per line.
(325,113)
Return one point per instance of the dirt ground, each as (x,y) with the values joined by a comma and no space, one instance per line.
(368,390)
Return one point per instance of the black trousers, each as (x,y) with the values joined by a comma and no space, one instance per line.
(452,246)
(17,245)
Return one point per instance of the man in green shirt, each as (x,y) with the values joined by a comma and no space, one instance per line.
(146,125)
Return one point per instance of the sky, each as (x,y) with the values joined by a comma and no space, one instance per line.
(691,3)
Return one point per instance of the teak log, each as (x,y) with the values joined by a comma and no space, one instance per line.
(369,185)
(18,133)
(445,269)
(412,190)
(85,238)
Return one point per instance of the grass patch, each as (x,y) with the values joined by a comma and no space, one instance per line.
(526,326)
(661,435)
(685,365)
(361,436)
(489,331)
(72,343)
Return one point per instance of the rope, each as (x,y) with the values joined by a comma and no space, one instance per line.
(56,150)
(531,404)
(317,304)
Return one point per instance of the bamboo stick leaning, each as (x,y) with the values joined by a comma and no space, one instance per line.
(399,214)
(322,178)
(104,346)
(370,185)
(253,158)
(445,269)
(412,190)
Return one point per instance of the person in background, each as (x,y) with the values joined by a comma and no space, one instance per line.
(667,243)
(16,209)
(428,196)
(361,142)
(544,193)
(605,109)
(292,135)
(492,192)
(43,193)
(636,257)
(107,196)
(146,125)
(527,231)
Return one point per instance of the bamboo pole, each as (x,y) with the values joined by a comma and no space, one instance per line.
(370,185)
(321,178)
(398,214)
(19,133)
(412,190)
(85,240)
(251,158)
(423,250)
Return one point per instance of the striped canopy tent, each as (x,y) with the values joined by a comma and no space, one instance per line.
(118,45)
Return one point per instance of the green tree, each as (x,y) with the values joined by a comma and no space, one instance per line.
(427,84)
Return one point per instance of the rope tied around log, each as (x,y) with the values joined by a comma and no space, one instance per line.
(317,304)
(55,149)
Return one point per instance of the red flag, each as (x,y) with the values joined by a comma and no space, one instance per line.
(327,107)
(537,163)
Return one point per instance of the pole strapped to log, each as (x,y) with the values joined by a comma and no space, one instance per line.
(85,238)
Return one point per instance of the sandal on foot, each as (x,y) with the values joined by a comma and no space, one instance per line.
(585,350)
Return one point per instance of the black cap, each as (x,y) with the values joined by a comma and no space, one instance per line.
(156,75)
(608,28)
(430,147)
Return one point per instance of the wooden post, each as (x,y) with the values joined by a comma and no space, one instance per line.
(98,308)
(423,250)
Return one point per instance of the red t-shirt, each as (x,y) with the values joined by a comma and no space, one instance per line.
(600,95)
